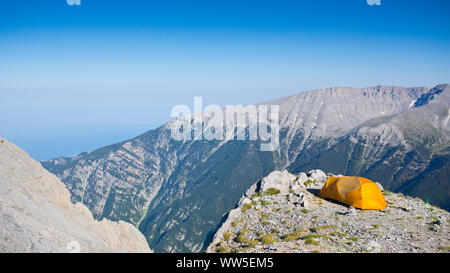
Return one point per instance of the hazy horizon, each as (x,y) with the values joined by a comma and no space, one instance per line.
(76,78)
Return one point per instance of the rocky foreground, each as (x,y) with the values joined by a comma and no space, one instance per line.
(282,213)
(36,214)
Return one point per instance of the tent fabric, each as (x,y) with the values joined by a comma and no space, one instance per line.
(354,191)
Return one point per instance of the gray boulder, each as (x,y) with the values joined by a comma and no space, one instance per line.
(278,180)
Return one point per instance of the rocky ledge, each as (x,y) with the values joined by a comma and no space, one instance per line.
(283,213)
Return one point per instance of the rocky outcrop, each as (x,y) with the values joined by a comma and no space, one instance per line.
(280,181)
(300,221)
(36,214)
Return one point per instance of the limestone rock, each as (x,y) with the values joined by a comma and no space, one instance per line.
(278,180)
(317,175)
(36,214)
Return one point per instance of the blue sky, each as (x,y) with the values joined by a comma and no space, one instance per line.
(75,78)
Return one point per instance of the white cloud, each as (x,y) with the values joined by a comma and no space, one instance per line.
(74,2)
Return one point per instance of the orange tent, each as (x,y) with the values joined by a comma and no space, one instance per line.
(354,191)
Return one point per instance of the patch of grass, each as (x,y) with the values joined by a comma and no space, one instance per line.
(293,236)
(253,243)
(354,239)
(341,234)
(265,203)
(315,235)
(246,207)
(319,228)
(234,223)
(226,235)
(308,182)
(222,249)
(254,195)
(304,210)
(268,239)
(242,238)
(311,241)
(264,217)
(447,248)
(254,203)
(419,218)
(272,191)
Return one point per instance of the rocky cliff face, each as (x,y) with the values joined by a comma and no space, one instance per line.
(177,192)
(37,215)
(282,213)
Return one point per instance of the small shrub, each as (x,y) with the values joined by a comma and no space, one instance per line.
(294,236)
(264,217)
(385,192)
(268,239)
(447,248)
(254,195)
(226,235)
(319,228)
(221,249)
(341,234)
(242,239)
(272,191)
(311,241)
(253,243)
(246,207)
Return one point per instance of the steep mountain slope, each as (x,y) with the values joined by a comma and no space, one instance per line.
(298,220)
(36,214)
(178,191)
(401,150)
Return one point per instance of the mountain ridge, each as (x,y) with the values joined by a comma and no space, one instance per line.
(160,184)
